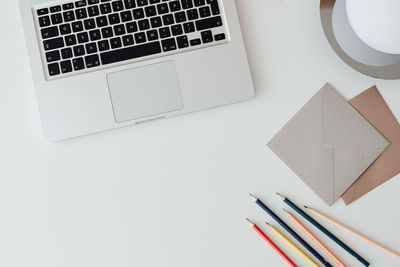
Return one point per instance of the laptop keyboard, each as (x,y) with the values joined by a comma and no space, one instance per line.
(86,35)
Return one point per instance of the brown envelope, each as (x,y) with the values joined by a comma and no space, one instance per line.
(373,107)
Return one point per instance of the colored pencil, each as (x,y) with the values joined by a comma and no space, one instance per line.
(291,232)
(324,230)
(315,239)
(375,243)
(292,245)
(273,245)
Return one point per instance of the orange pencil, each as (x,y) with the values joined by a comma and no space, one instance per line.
(315,239)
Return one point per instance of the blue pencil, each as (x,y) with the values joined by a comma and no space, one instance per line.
(290,231)
(324,230)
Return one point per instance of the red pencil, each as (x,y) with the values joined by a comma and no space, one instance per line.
(273,245)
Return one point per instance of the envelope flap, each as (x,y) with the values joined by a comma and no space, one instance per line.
(344,127)
(306,124)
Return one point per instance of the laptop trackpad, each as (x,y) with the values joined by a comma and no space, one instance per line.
(145,91)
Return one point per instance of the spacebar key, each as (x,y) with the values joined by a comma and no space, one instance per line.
(130,53)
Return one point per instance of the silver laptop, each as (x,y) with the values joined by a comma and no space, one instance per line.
(104,64)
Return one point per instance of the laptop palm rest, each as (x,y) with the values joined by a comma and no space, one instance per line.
(145,91)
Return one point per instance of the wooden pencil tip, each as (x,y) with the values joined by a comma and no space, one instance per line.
(268,224)
(247,219)
(305,207)
(281,196)
(253,196)
(286,210)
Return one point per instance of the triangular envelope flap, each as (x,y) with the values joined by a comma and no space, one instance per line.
(349,164)
(311,162)
(344,127)
(306,124)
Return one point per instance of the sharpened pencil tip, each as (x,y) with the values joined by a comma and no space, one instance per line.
(253,196)
(305,207)
(268,224)
(285,210)
(281,196)
(247,219)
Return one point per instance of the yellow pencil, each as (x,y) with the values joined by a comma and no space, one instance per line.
(329,219)
(291,244)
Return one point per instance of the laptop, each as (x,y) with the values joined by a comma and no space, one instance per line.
(104,64)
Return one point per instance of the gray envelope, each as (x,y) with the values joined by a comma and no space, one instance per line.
(328,144)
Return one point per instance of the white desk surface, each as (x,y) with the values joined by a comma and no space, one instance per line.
(174,193)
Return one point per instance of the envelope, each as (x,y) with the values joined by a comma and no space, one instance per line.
(371,105)
(328,144)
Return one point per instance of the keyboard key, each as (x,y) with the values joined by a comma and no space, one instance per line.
(119,30)
(53,56)
(70,40)
(79,50)
(182,41)
(186,4)
(130,4)
(192,14)
(81,13)
(162,9)
(156,22)
(107,32)
(103,45)
(66,66)
(180,17)
(126,16)
(49,32)
(65,29)
(93,2)
(138,13)
(128,40)
(80,3)
(93,11)
(113,19)
(91,48)
(55,43)
(101,21)
(207,37)
(164,32)
(174,6)
(140,37)
(168,19)
(69,16)
(82,37)
(94,35)
(66,53)
(195,42)
(214,7)
(92,61)
(144,24)
(150,11)
(204,24)
(168,44)
(78,64)
(116,42)
(155,1)
(56,18)
(55,9)
(152,35)
(77,26)
(105,8)
(219,37)
(131,27)
(89,24)
(68,6)
(142,2)
(130,52)
(54,69)
(205,12)
(117,6)
(44,21)
(176,30)
(42,11)
(189,27)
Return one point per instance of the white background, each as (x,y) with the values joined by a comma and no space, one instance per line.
(174,193)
